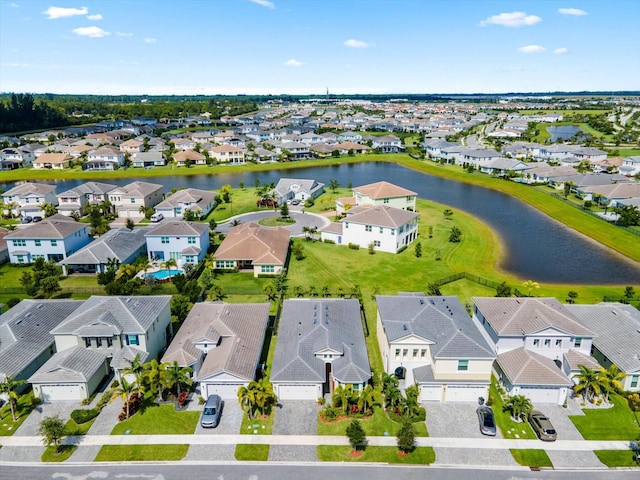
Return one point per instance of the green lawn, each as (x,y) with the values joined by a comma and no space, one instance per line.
(531,457)
(258,426)
(72,428)
(617,423)
(337,453)
(141,453)
(375,425)
(617,458)
(25,406)
(276,222)
(159,420)
(508,427)
(50,454)
(252,453)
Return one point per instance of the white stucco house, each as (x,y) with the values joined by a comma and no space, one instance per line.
(297,188)
(201,202)
(128,199)
(184,242)
(27,199)
(380,193)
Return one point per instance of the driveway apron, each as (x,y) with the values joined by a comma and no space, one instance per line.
(295,417)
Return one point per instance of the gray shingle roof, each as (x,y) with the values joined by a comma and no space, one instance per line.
(49,228)
(524,367)
(177,228)
(123,357)
(73,365)
(442,320)
(237,330)
(120,243)
(189,195)
(617,328)
(24,331)
(310,326)
(134,314)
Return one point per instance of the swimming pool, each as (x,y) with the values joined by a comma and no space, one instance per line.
(163,274)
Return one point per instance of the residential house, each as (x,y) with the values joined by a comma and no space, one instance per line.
(297,188)
(263,155)
(25,341)
(52,161)
(222,344)
(432,342)
(252,247)
(382,193)
(201,202)
(477,157)
(630,166)
(119,245)
(532,336)
(184,242)
(388,229)
(105,158)
(4,250)
(102,332)
(320,345)
(228,154)
(386,143)
(22,156)
(26,199)
(291,149)
(73,200)
(149,159)
(350,136)
(347,148)
(504,167)
(434,146)
(129,199)
(183,157)
(184,143)
(609,194)
(132,146)
(617,337)
(54,238)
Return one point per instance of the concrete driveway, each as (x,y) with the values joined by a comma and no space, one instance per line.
(229,421)
(32,423)
(302,220)
(295,417)
(454,420)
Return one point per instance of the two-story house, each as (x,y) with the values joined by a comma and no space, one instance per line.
(73,200)
(320,345)
(380,193)
(132,146)
(388,229)
(201,202)
(102,332)
(184,242)
(27,199)
(539,344)
(128,199)
(432,342)
(386,143)
(221,343)
(107,157)
(297,188)
(54,238)
(228,154)
(19,155)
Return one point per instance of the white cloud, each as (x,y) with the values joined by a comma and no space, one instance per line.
(150,40)
(561,51)
(60,12)
(293,63)
(511,19)
(16,65)
(13,5)
(93,32)
(124,34)
(353,43)
(576,12)
(532,49)
(97,16)
(264,3)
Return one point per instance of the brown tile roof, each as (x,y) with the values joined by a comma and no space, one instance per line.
(187,155)
(379,215)
(524,367)
(261,245)
(383,190)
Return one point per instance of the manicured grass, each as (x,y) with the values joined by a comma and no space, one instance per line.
(508,427)
(531,457)
(626,152)
(50,454)
(337,453)
(258,426)
(159,420)
(375,425)
(25,406)
(72,428)
(276,222)
(141,453)
(252,453)
(617,458)
(616,423)
(466,289)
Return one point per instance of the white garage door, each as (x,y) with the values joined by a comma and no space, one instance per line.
(226,391)
(430,393)
(52,393)
(465,393)
(541,395)
(298,392)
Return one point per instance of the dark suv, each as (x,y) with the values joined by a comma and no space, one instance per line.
(542,426)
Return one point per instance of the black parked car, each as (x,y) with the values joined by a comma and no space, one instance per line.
(486,420)
(26,219)
(37,218)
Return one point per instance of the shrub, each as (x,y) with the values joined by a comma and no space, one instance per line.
(104,399)
(82,415)
(402,249)
(201,400)
(330,413)
(327,240)
(115,384)
(634,402)
(354,246)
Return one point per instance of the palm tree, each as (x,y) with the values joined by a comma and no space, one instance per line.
(177,376)
(135,368)
(127,270)
(49,209)
(530,285)
(519,406)
(611,380)
(367,398)
(9,386)
(265,397)
(154,377)
(588,383)
(124,390)
(411,403)
(246,399)
(170,263)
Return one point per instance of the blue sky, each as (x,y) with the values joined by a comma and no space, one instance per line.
(306,46)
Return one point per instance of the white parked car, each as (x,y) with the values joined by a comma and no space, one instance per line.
(156,217)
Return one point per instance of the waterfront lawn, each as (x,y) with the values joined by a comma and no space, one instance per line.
(25,405)
(617,423)
(50,454)
(378,424)
(246,452)
(508,427)
(617,458)
(466,289)
(159,420)
(340,453)
(531,457)
(141,453)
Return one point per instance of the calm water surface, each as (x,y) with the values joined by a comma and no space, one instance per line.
(563,132)
(535,246)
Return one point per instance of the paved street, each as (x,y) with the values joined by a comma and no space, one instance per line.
(302,220)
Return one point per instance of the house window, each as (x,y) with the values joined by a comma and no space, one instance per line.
(164,240)
(577,342)
(109,342)
(346,224)
(20,258)
(408,198)
(191,240)
(54,243)
(415,353)
(87,342)
(381,230)
(393,232)
(267,269)
(132,340)
(38,243)
(386,200)
(463,365)
(405,352)
(423,353)
(98,342)
(367,228)
(634,381)
(547,342)
(133,200)
(19,243)
(376,243)
(397,352)
(558,343)
(536,342)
